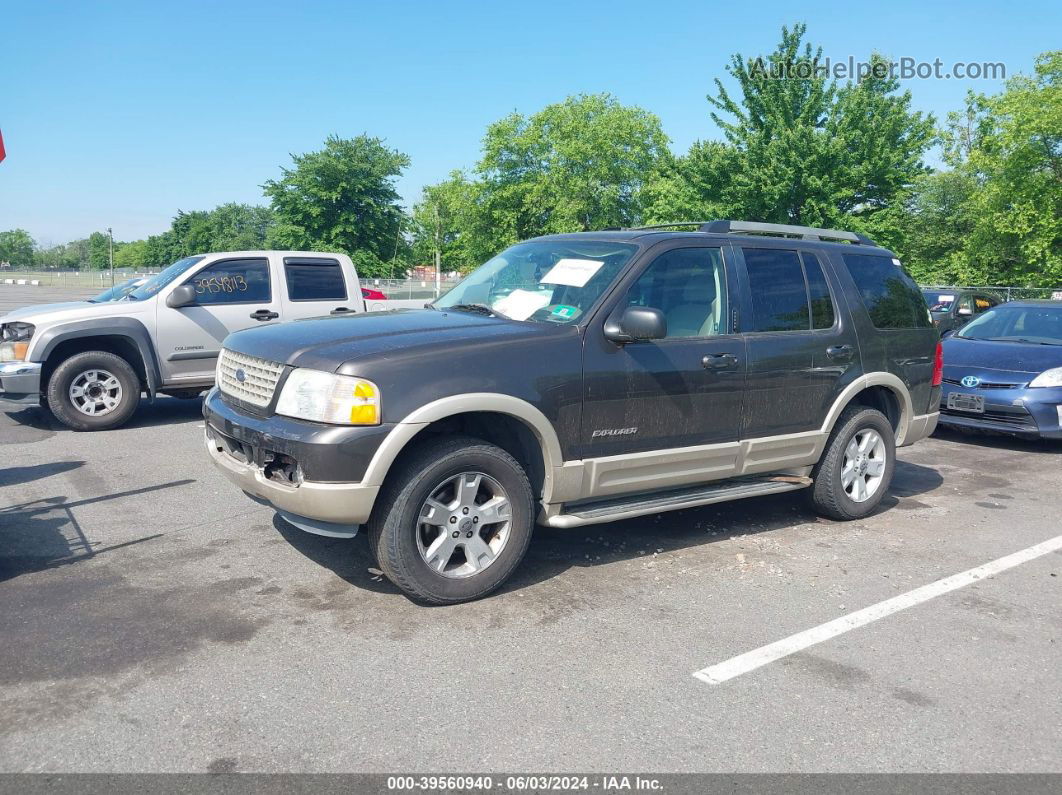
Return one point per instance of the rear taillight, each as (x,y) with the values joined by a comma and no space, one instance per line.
(938,365)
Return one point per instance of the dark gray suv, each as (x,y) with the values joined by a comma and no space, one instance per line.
(584,378)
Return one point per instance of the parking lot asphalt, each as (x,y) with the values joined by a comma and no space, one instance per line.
(154,619)
(14,296)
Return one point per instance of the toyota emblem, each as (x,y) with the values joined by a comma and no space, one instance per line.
(970,381)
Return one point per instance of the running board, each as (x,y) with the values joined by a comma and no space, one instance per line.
(642,504)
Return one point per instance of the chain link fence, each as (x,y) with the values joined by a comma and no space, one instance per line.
(1006,293)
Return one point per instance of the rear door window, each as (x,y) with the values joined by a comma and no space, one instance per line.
(233,281)
(891,297)
(822,313)
(779,292)
(314,279)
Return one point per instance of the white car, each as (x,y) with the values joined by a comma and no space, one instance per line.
(90,362)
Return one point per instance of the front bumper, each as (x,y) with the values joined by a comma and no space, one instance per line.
(20,382)
(1034,412)
(304,470)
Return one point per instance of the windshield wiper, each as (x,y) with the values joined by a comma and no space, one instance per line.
(481,308)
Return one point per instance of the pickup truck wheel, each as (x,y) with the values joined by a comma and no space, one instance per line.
(454,520)
(856,467)
(93,391)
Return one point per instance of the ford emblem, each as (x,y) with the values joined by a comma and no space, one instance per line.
(241,376)
(967,380)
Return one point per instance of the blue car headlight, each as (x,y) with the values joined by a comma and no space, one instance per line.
(1052,377)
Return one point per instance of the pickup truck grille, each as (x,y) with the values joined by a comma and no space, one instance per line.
(259,381)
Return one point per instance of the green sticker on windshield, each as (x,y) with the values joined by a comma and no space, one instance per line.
(564,311)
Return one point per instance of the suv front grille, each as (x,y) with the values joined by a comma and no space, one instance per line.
(259,382)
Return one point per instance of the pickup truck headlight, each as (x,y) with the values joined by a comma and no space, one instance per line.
(325,397)
(14,341)
(1052,377)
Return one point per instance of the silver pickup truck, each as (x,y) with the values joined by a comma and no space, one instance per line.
(90,362)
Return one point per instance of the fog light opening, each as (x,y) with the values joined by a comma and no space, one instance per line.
(283,469)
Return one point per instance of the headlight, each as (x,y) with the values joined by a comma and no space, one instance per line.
(1052,377)
(14,341)
(325,397)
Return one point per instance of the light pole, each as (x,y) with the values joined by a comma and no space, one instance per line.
(110,252)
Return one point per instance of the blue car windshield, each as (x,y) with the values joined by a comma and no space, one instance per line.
(1009,323)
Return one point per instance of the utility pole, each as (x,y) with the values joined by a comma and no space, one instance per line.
(110,253)
(438,251)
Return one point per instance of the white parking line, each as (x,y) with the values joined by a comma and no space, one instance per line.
(750,661)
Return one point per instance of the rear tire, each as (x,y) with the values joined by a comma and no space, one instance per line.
(93,391)
(856,467)
(453,521)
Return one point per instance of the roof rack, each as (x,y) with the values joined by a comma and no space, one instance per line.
(755,227)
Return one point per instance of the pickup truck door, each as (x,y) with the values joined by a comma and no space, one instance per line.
(317,286)
(232,294)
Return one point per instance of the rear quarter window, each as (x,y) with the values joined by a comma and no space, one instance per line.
(891,297)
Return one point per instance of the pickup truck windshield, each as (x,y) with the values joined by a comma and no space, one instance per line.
(160,280)
(544,281)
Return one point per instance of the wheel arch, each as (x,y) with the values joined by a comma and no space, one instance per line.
(124,337)
(882,391)
(511,423)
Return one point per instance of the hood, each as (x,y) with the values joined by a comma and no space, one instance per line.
(968,357)
(36,309)
(328,343)
(41,314)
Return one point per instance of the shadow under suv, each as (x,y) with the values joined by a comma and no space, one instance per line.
(584,378)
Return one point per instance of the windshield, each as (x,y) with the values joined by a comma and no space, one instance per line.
(160,280)
(1009,323)
(545,281)
(938,301)
(116,292)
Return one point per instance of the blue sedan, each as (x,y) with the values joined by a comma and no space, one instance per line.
(1003,371)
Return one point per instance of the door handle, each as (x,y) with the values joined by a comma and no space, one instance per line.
(264,314)
(339,310)
(840,351)
(719,361)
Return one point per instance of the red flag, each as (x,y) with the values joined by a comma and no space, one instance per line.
(3,154)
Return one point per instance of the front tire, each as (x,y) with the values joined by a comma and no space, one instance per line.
(454,520)
(856,467)
(93,391)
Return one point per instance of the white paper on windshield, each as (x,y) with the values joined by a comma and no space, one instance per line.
(572,272)
(521,304)
(945,299)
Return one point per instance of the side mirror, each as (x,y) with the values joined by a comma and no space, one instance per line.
(636,323)
(964,311)
(181,296)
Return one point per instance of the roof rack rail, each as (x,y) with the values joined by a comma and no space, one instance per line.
(755,227)
(805,232)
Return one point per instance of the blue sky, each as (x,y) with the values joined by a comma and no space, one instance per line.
(117,114)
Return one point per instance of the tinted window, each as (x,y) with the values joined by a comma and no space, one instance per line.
(821,302)
(891,296)
(779,294)
(234,281)
(689,286)
(314,281)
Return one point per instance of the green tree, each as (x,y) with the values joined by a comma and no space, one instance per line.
(798,147)
(1017,161)
(99,251)
(133,254)
(341,198)
(575,165)
(447,220)
(16,247)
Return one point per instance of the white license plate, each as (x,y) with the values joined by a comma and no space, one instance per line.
(960,401)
